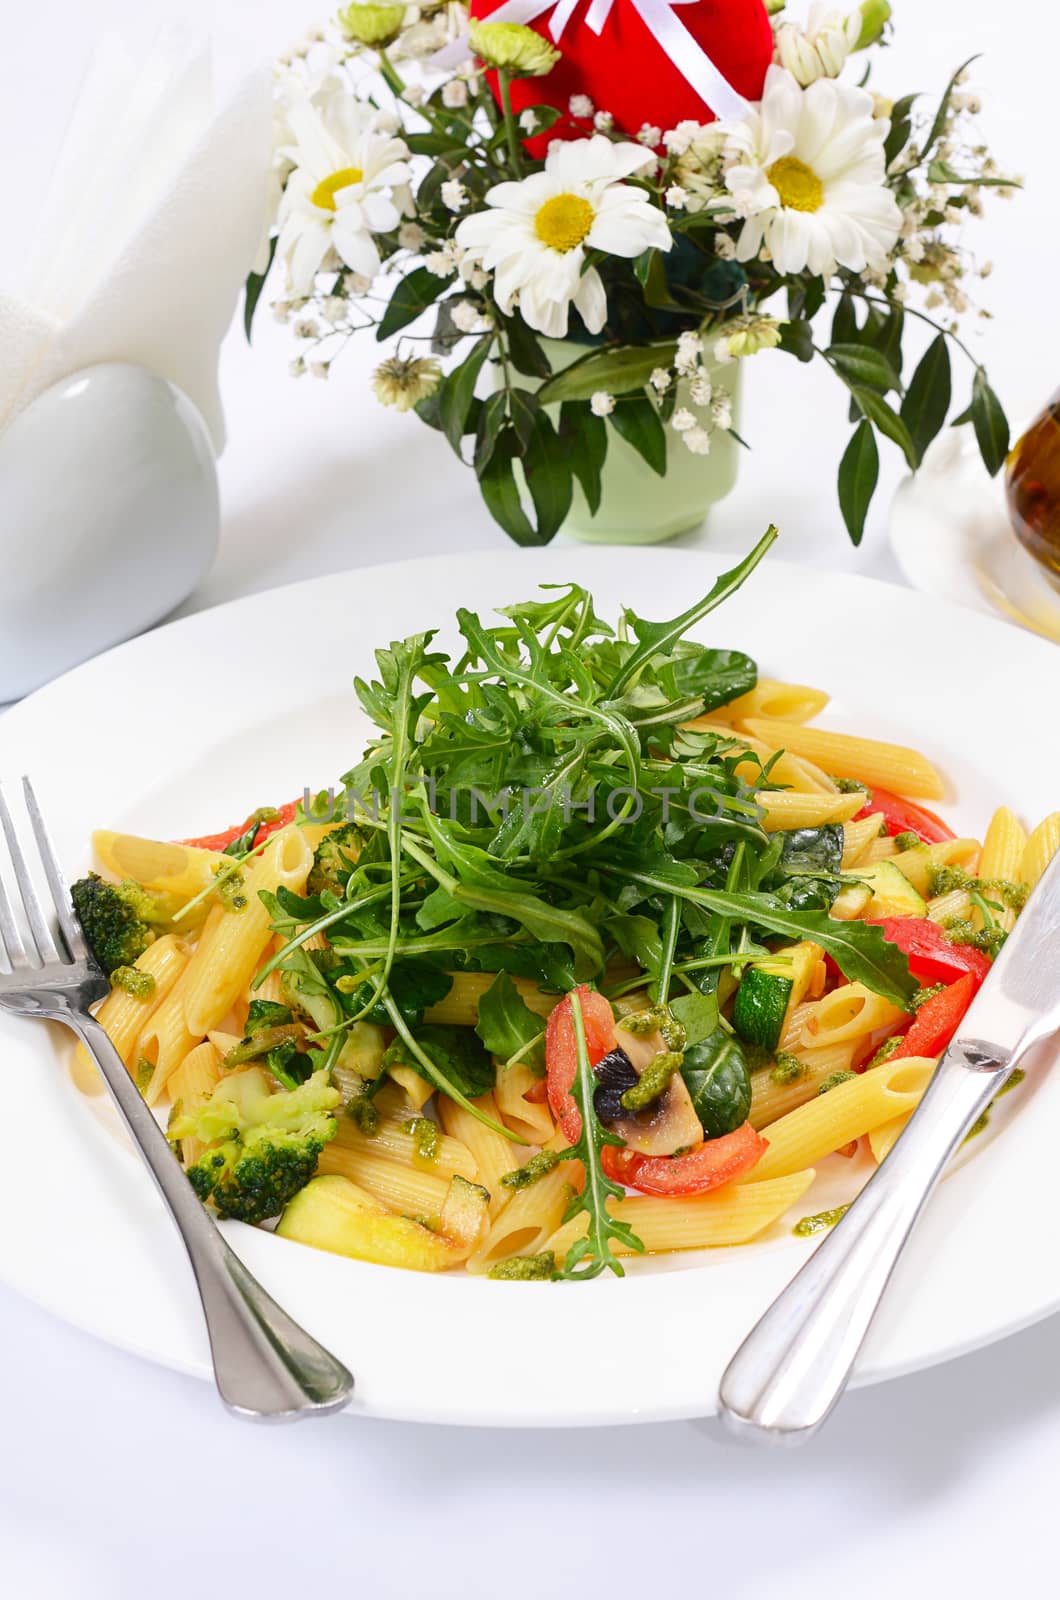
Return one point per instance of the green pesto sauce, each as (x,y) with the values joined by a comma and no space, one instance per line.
(906,841)
(145,1071)
(979,1125)
(425,1137)
(653,1080)
(657,1019)
(849,786)
(886,1050)
(229,887)
(806,1227)
(788,1069)
(922,996)
(534,1170)
(1011,1083)
(525,1269)
(133,981)
(360,1110)
(834,1079)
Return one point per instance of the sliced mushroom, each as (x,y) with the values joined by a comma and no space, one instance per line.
(667,1125)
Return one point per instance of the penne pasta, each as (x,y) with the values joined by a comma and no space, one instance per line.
(233,942)
(527,1222)
(192,1083)
(395,1141)
(1002,857)
(493,1155)
(394,1183)
(785,767)
(460,1006)
(124,1016)
(783,702)
(782,809)
(734,1214)
(528,1121)
(858,836)
(851,1109)
(883,1139)
(919,863)
(946,906)
(771,1099)
(417,1089)
(164,1042)
(846,1015)
(889,766)
(1040,849)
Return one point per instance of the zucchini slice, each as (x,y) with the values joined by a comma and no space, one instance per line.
(892,893)
(770,990)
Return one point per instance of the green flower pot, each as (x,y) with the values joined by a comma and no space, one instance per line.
(637,505)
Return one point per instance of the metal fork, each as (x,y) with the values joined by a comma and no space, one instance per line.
(265,1365)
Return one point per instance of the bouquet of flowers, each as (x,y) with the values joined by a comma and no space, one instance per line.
(574,226)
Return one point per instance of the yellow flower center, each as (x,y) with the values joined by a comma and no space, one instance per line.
(326,190)
(799,187)
(564,221)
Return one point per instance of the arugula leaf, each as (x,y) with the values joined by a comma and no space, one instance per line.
(414,985)
(592,1254)
(506,1025)
(654,638)
(697,1014)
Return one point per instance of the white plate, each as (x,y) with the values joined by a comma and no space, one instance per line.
(951,536)
(190,727)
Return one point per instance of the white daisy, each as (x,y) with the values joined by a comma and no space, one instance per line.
(350,181)
(806,169)
(535,233)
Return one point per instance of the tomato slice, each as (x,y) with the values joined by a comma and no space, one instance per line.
(905,816)
(931,956)
(938,1019)
(221,841)
(561,1052)
(704,1167)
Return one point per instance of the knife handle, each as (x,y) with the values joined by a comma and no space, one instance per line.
(794,1364)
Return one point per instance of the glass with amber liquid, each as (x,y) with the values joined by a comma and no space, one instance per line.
(1032,484)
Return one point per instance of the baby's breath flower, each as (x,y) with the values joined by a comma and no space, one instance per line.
(375,25)
(986,269)
(411,236)
(442,263)
(650,135)
(579,105)
(509,47)
(454,94)
(676,197)
(318,369)
(467,318)
(682,420)
(281,310)
(403,384)
(296,368)
(453,193)
(414,94)
(660,380)
(689,350)
(304,329)
(701,389)
(334,308)
(602,404)
(603,122)
(721,411)
(679,140)
(724,247)
(697,440)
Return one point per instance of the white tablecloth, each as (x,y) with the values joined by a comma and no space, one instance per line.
(117,1478)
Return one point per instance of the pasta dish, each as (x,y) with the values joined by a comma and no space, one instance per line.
(601,948)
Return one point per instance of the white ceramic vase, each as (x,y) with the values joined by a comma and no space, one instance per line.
(109,517)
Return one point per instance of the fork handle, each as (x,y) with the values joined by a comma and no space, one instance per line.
(267,1367)
(794,1364)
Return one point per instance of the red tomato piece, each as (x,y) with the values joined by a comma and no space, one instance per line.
(561,1052)
(932,958)
(905,816)
(704,1167)
(221,841)
(938,1020)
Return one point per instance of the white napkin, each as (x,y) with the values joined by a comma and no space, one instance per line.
(155,213)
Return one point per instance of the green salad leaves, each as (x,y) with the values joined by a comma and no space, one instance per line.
(535,805)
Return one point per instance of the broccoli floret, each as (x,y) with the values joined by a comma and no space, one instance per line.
(334,861)
(262,1147)
(116,918)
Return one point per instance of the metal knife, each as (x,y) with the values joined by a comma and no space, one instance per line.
(795,1363)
